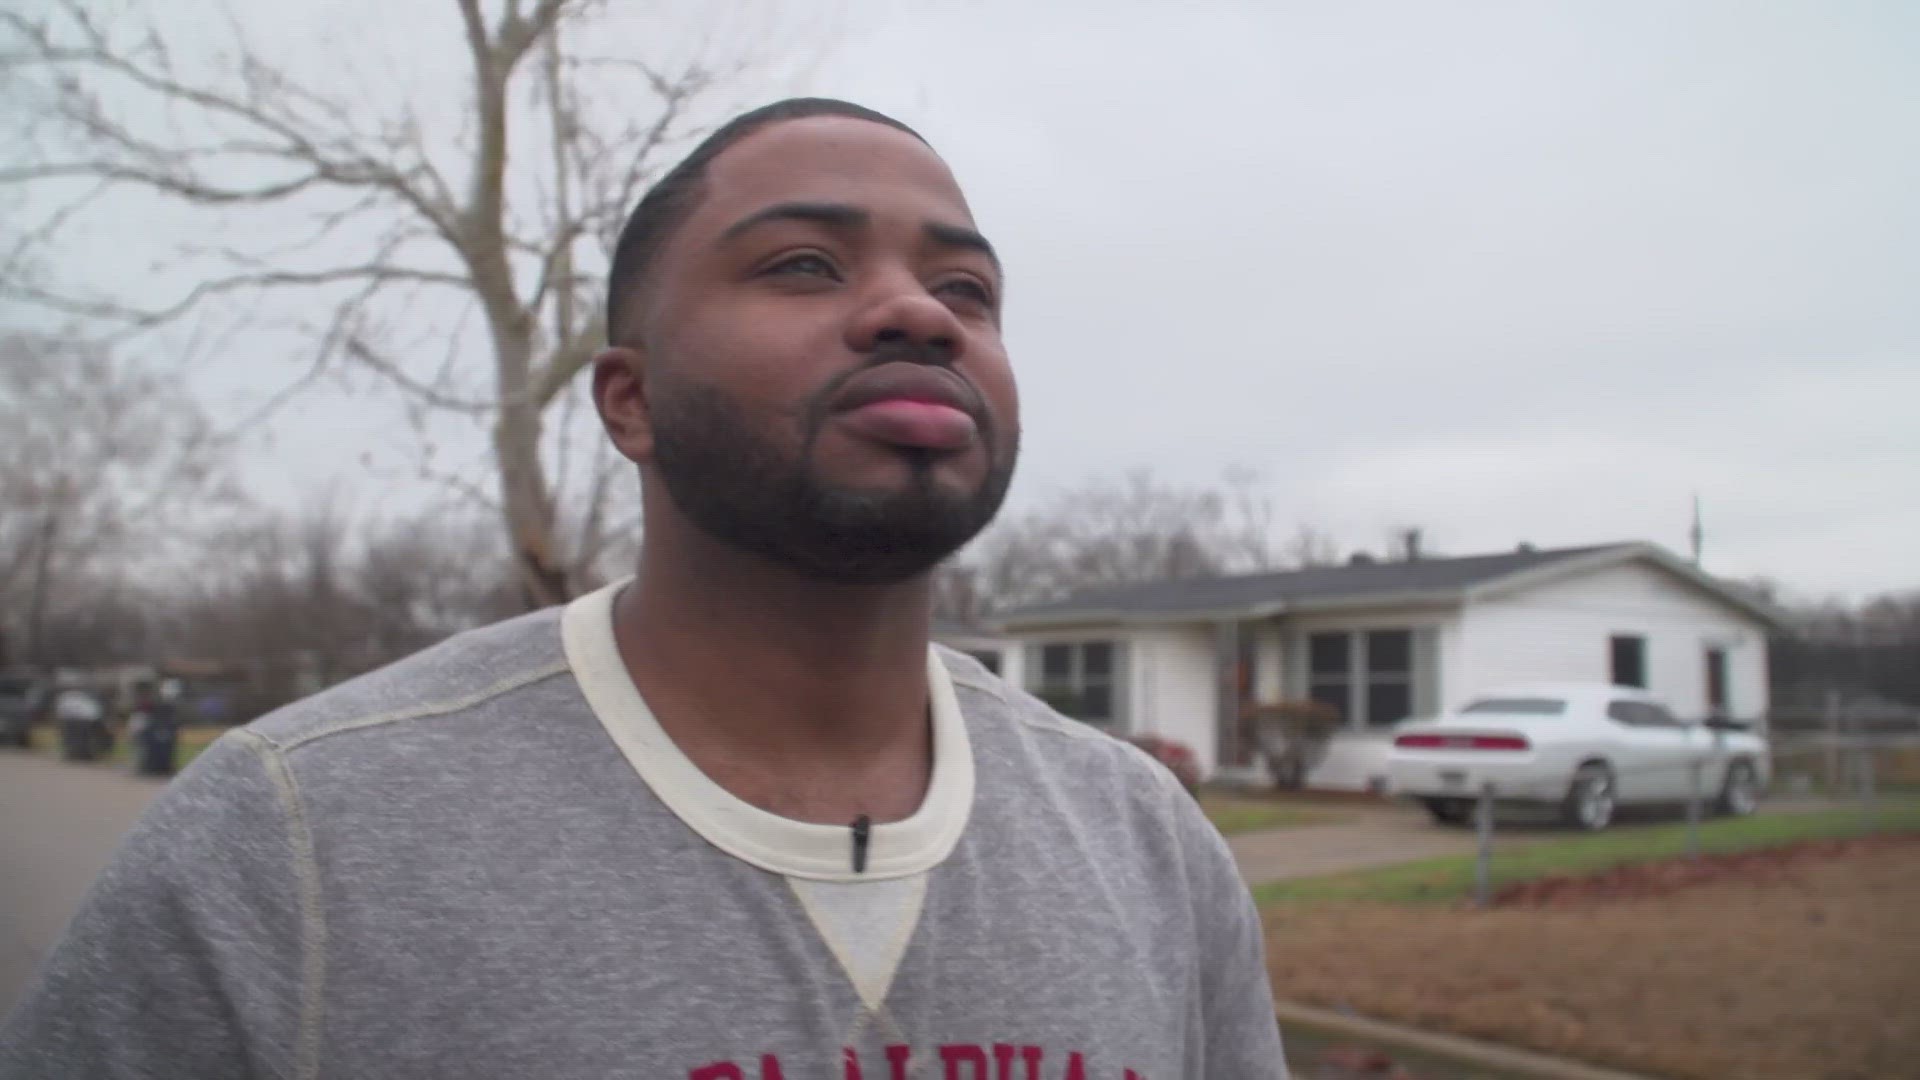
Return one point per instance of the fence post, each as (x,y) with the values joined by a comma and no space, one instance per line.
(1482,866)
(1832,711)
(1693,808)
(1869,786)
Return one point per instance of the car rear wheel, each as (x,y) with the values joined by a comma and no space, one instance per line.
(1590,798)
(1740,791)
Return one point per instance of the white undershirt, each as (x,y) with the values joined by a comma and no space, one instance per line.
(797,849)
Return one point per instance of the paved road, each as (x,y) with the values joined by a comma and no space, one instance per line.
(58,824)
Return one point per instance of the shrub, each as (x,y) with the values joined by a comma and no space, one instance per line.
(1177,757)
(1293,735)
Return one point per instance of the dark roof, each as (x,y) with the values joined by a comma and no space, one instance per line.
(1346,582)
(957,629)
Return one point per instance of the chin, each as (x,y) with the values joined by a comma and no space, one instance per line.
(957,476)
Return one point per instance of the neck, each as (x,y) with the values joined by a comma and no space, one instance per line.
(736,652)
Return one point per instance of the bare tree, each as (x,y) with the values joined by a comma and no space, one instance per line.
(1133,530)
(365,595)
(510,218)
(1310,546)
(101,461)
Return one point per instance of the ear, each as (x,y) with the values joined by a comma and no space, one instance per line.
(620,394)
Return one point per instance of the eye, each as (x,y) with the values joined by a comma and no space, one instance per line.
(806,264)
(969,288)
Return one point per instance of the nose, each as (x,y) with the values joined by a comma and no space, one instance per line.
(907,318)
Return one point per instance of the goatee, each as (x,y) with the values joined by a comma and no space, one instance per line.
(735,483)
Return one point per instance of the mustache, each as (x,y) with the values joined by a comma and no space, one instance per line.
(820,405)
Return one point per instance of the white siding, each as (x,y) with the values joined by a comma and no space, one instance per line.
(1558,632)
(1013,665)
(1175,687)
(1453,659)
(1170,677)
(1268,661)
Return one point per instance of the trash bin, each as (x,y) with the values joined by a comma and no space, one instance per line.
(83,734)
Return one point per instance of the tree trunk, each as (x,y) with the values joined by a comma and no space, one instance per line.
(528,506)
(37,602)
(525,497)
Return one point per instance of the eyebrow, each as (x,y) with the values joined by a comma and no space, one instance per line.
(844,216)
(959,236)
(832,215)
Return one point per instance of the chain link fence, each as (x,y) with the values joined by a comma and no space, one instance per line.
(1861,773)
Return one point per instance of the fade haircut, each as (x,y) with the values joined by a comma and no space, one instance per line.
(666,206)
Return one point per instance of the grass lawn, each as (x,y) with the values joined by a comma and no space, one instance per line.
(1451,878)
(192,740)
(1233,814)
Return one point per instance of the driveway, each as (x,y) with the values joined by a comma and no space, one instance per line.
(58,825)
(1363,838)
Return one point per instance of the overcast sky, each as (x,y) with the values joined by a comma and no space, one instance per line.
(1510,271)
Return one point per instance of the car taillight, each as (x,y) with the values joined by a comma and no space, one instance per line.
(1461,742)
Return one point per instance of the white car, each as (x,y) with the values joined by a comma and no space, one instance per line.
(1586,749)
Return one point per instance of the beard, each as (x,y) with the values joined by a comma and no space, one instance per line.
(734,482)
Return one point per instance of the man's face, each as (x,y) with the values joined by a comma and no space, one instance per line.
(822,380)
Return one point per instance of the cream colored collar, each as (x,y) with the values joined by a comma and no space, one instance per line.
(782,845)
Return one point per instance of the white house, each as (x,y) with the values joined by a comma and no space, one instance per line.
(1385,641)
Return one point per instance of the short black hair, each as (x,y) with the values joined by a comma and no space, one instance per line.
(669,202)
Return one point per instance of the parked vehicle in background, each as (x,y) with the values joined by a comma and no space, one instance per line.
(1586,749)
(21,701)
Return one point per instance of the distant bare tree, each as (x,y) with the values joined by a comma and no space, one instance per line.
(1310,546)
(512,217)
(100,462)
(323,595)
(1133,530)
(1889,618)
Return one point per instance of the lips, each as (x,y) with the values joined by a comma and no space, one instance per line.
(912,406)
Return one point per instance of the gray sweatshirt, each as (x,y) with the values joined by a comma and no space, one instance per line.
(490,861)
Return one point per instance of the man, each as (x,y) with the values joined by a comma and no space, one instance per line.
(154,728)
(734,818)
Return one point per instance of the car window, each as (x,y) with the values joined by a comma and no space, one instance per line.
(1658,716)
(1528,706)
(1641,714)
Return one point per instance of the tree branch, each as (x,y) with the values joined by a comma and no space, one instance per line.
(289,141)
(358,350)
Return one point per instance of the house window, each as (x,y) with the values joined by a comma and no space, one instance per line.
(989,659)
(1717,681)
(1629,660)
(1367,675)
(1330,671)
(1077,678)
(1389,677)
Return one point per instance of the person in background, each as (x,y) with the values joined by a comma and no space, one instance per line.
(155,728)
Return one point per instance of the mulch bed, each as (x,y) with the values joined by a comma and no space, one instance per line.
(1665,877)
(1800,963)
